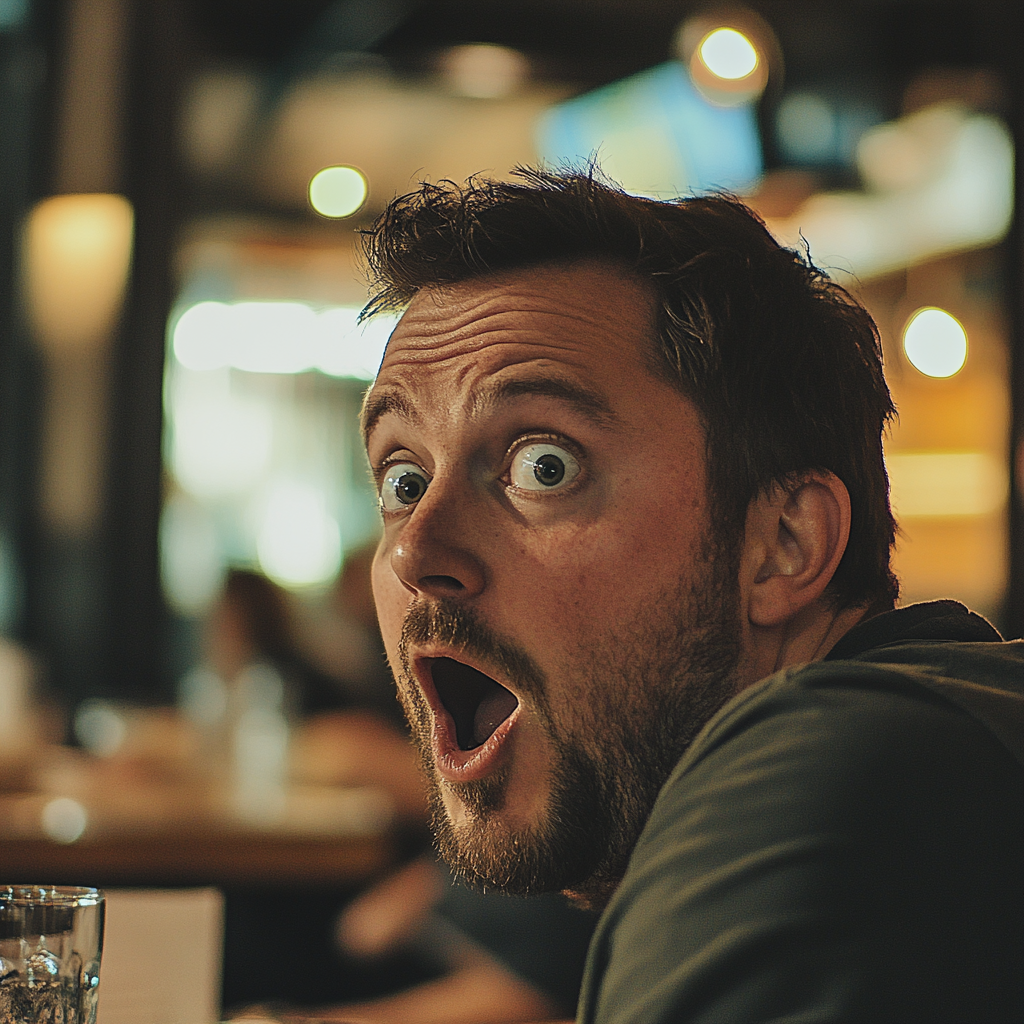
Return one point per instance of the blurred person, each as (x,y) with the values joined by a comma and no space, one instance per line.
(500,960)
(338,717)
(251,623)
(635,588)
(341,638)
(488,959)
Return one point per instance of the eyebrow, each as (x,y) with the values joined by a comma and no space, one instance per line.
(584,400)
(381,403)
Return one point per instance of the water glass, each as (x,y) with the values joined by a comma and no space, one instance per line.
(51,938)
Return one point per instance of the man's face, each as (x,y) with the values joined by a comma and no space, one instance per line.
(557,616)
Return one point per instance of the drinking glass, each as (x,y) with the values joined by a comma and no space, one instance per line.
(51,938)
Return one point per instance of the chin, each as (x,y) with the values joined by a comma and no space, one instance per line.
(498,801)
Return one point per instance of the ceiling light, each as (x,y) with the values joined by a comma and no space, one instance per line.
(728,54)
(338,191)
(935,342)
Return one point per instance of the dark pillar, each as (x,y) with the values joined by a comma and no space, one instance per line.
(1013,70)
(134,490)
(23,67)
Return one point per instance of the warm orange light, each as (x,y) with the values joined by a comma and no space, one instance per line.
(77,252)
(728,54)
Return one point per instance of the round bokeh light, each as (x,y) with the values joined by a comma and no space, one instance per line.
(338,191)
(728,54)
(64,820)
(935,342)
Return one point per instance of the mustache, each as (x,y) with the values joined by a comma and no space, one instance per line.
(440,621)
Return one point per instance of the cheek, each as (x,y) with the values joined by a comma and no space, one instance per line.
(566,585)
(391,599)
(578,583)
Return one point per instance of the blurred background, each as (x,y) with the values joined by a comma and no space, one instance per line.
(185,516)
(179,359)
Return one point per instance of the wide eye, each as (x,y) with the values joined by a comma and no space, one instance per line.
(404,484)
(543,467)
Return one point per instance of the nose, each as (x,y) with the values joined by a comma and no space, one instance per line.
(434,553)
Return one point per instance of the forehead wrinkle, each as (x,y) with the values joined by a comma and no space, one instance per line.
(410,351)
(445,324)
(472,319)
(489,341)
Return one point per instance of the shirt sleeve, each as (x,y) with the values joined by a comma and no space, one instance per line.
(839,846)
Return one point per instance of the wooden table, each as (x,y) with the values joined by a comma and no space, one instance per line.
(193,859)
(145,832)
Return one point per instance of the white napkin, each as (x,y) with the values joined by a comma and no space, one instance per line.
(161,956)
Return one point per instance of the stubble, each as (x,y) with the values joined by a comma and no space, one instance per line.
(629,707)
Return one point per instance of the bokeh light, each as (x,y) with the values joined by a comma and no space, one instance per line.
(220,445)
(943,484)
(728,58)
(935,342)
(349,348)
(78,251)
(484,70)
(280,337)
(191,559)
(64,820)
(203,697)
(299,542)
(805,124)
(338,191)
(729,54)
(100,727)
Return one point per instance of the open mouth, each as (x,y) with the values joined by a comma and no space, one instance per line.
(477,703)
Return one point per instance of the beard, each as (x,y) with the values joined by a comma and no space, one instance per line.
(630,706)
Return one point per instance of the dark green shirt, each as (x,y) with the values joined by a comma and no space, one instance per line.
(843,842)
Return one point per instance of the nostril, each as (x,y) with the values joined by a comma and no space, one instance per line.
(449,583)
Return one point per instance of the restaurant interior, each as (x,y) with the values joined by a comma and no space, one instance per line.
(195,713)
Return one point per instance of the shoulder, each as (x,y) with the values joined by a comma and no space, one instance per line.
(846,746)
(834,835)
(849,712)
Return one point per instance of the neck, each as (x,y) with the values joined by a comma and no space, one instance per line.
(807,637)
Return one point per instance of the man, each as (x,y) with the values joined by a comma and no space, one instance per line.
(634,586)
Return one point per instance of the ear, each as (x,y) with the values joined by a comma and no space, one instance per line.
(795,537)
